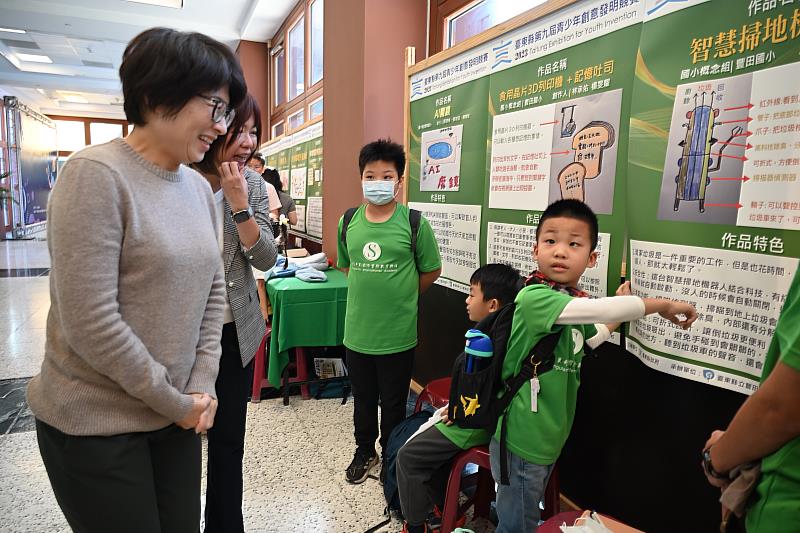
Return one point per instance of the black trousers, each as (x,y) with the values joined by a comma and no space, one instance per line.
(129,483)
(226,439)
(378,377)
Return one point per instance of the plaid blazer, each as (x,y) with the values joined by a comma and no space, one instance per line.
(239,280)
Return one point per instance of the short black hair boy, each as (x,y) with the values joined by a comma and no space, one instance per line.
(382,150)
(498,281)
(570,208)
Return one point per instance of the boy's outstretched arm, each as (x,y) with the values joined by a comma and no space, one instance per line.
(624,308)
(426,279)
(671,310)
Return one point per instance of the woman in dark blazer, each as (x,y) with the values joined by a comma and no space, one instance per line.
(245,240)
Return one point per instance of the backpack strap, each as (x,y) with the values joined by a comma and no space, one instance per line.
(541,358)
(348,216)
(414,218)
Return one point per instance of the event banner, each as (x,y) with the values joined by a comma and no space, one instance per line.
(298,159)
(713,203)
(538,114)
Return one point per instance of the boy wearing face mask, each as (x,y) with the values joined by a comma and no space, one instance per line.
(384,281)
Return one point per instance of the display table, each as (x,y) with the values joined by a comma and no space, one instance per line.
(304,314)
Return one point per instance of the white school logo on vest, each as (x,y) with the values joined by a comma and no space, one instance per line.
(371,251)
(577,341)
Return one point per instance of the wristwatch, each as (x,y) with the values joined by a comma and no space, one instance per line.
(243,215)
(709,468)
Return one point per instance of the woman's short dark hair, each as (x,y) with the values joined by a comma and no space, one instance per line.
(273,177)
(164,67)
(246,109)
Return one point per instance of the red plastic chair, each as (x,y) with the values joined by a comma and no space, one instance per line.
(484,491)
(436,393)
(260,380)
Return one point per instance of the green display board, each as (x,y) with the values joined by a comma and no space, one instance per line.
(714,209)
(298,159)
(677,122)
(541,114)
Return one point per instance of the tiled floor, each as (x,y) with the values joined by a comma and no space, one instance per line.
(295,455)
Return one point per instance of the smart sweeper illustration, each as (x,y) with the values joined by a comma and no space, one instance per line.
(697,160)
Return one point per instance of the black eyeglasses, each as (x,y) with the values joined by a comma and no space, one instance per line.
(220,111)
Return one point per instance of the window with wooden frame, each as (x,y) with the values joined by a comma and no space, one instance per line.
(297,71)
(279,74)
(297,119)
(454,21)
(315,109)
(278,129)
(74,133)
(317,8)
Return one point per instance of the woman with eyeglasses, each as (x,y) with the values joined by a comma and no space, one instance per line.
(137,298)
(246,241)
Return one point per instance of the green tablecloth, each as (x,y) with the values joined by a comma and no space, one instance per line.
(304,314)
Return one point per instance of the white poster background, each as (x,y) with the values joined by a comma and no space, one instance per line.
(314,216)
(301,218)
(520,159)
(738,296)
(771,199)
(457,228)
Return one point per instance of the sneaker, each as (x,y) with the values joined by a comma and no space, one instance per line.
(363,460)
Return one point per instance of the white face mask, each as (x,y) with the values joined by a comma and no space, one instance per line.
(379,192)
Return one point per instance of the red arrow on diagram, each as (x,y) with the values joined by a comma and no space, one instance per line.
(744,178)
(745,146)
(548,123)
(744,134)
(748,106)
(565,152)
(741,158)
(737,206)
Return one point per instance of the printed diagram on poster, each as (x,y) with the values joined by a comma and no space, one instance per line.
(732,151)
(564,150)
(738,297)
(298,190)
(584,154)
(440,162)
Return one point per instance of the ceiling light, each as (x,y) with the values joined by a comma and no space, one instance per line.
(74,98)
(177,4)
(12,30)
(34,58)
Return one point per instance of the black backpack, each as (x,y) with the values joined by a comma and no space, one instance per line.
(414,218)
(397,438)
(478,399)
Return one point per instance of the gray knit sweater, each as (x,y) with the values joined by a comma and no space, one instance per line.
(136,295)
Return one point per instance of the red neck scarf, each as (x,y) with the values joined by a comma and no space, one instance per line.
(537,277)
